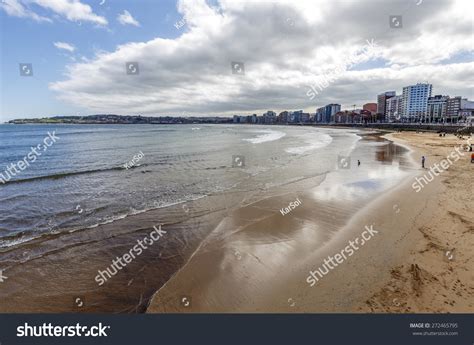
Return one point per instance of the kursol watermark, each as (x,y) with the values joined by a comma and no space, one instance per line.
(135,159)
(291,206)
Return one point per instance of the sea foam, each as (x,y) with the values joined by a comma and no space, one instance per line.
(314,141)
(266,136)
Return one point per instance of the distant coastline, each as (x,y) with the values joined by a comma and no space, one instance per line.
(170,120)
(121,119)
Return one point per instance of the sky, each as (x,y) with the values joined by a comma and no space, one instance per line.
(225,57)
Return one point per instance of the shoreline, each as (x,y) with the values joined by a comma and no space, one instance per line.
(381,277)
(224,267)
(434,277)
(216,252)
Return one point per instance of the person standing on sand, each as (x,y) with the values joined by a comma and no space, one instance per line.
(358,162)
(423,162)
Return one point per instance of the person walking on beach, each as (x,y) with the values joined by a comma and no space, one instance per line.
(358,162)
(423,162)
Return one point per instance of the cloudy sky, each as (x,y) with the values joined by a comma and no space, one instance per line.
(181,54)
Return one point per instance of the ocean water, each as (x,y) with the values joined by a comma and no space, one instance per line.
(87,198)
(81,180)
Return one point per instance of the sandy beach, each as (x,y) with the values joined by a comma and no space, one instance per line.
(436,276)
(254,249)
(419,260)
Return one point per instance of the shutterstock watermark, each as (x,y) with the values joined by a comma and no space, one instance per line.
(328,78)
(332,262)
(48,330)
(136,250)
(437,168)
(16,168)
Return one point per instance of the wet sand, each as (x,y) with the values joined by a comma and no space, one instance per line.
(56,273)
(257,259)
(51,273)
(225,240)
(420,261)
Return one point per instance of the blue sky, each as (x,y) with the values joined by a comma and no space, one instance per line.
(25,40)
(286,46)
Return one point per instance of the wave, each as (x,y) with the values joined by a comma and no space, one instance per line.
(268,135)
(65,174)
(24,237)
(322,140)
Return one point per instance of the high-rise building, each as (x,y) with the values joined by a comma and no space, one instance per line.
(453,107)
(319,117)
(295,116)
(382,100)
(283,117)
(415,101)
(437,108)
(393,108)
(269,117)
(329,111)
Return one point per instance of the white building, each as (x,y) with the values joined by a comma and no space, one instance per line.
(393,108)
(415,101)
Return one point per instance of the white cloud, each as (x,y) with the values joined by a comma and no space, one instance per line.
(285,46)
(64,46)
(15,9)
(126,18)
(73,10)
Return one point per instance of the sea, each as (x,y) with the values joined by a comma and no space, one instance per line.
(82,179)
(69,206)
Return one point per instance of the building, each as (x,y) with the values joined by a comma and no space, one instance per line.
(330,111)
(283,117)
(372,107)
(269,117)
(304,117)
(295,116)
(382,100)
(467,105)
(393,108)
(452,109)
(319,116)
(415,102)
(467,110)
(437,109)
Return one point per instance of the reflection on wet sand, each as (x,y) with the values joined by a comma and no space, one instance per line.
(267,242)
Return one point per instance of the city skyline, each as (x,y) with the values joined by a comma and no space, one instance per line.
(205,58)
(388,104)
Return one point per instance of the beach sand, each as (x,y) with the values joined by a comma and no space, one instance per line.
(258,260)
(437,274)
